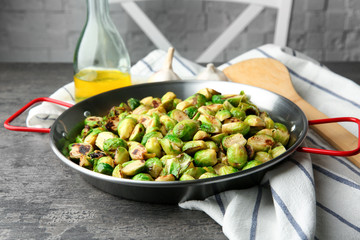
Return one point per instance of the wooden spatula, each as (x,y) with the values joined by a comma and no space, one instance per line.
(272,75)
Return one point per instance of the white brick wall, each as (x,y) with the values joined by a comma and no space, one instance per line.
(47,30)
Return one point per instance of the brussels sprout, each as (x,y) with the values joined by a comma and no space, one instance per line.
(191,111)
(266,131)
(195,172)
(165,106)
(133,167)
(205,158)
(254,121)
(196,116)
(269,123)
(115,111)
(91,137)
(223,114)
(111,144)
(171,145)
(79,139)
(261,143)
(237,156)
(149,135)
(79,149)
(176,101)
(117,172)
(238,113)
(277,150)
(227,105)
(106,159)
(208,93)
(92,157)
(212,145)
(186,177)
(153,146)
(138,152)
(208,175)
(104,168)
(209,169)
(206,111)
(236,127)
(153,166)
(197,100)
(154,121)
(185,162)
(142,177)
(121,155)
(84,162)
(183,105)
(262,156)
(230,140)
(164,158)
(218,99)
(250,109)
(251,164)
(215,107)
(168,122)
(217,138)
(102,137)
(227,170)
(138,133)
(142,109)
(201,135)
(155,103)
(178,115)
(123,116)
(281,134)
(126,127)
(168,96)
(186,129)
(85,131)
(192,147)
(93,121)
(112,124)
(173,167)
(147,101)
(165,178)
(210,124)
(235,99)
(133,103)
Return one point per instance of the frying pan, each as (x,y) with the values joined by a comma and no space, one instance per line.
(70,123)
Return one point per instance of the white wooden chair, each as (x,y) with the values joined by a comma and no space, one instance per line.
(254,8)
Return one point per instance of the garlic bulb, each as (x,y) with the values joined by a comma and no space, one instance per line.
(212,73)
(165,73)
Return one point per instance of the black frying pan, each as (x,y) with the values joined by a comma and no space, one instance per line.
(69,124)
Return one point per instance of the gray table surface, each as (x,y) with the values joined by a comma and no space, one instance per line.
(41,198)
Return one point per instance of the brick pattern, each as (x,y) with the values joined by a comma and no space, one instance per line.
(47,30)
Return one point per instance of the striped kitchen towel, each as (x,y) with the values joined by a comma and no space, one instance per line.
(307,196)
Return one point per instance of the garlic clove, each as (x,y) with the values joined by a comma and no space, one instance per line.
(166,73)
(211,73)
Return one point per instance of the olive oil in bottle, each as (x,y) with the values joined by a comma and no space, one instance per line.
(101,60)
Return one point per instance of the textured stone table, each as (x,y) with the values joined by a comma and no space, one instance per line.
(41,198)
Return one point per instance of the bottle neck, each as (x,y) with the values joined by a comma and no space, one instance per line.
(97,10)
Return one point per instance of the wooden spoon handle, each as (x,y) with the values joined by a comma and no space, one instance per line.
(334,134)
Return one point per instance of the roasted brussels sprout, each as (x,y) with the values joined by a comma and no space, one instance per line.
(186,129)
(237,156)
(204,158)
(79,149)
(206,135)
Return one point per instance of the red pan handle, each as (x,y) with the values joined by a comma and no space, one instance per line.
(334,152)
(21,110)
